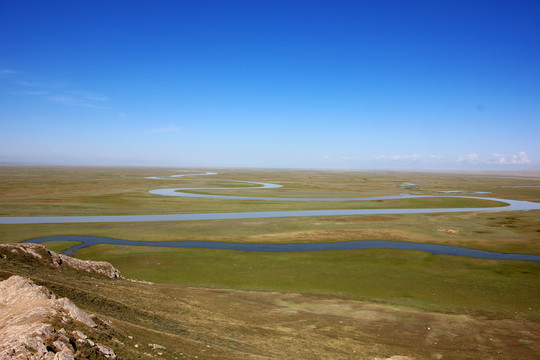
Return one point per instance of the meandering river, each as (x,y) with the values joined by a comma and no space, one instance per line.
(511,205)
(86,241)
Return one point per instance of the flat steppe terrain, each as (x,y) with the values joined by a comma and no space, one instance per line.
(333,304)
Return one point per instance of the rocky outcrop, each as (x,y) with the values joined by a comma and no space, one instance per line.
(59,261)
(26,332)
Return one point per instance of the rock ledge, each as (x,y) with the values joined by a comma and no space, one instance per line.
(26,310)
(59,261)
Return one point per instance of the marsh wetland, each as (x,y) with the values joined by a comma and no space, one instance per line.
(374,302)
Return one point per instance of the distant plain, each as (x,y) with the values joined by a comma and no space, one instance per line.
(417,281)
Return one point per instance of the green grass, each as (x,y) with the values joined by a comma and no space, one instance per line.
(333,304)
(132,203)
(94,191)
(217,323)
(41,191)
(510,232)
(398,277)
(58,246)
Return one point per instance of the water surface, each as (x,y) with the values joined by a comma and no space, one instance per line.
(86,241)
(510,205)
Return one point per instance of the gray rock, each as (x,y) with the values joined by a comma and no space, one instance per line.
(106,351)
(59,261)
(25,310)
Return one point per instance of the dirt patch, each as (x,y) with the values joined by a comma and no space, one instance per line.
(335,235)
(368,218)
(357,329)
(449,231)
(377,218)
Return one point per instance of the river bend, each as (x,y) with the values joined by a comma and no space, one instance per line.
(511,205)
(86,241)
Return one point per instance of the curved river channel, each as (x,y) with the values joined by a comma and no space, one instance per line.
(511,205)
(86,241)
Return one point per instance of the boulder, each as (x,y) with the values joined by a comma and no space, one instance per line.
(26,310)
(59,261)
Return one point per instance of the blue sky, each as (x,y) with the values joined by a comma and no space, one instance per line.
(385,84)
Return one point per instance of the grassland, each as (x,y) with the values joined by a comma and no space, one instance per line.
(361,288)
(511,232)
(415,279)
(58,246)
(206,323)
(68,191)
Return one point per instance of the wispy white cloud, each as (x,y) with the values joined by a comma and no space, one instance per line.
(76,101)
(56,86)
(7,72)
(430,161)
(29,84)
(519,158)
(496,159)
(60,92)
(68,100)
(89,96)
(350,158)
(398,158)
(170,128)
(465,160)
(469,158)
(36,93)
(80,98)
(406,157)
